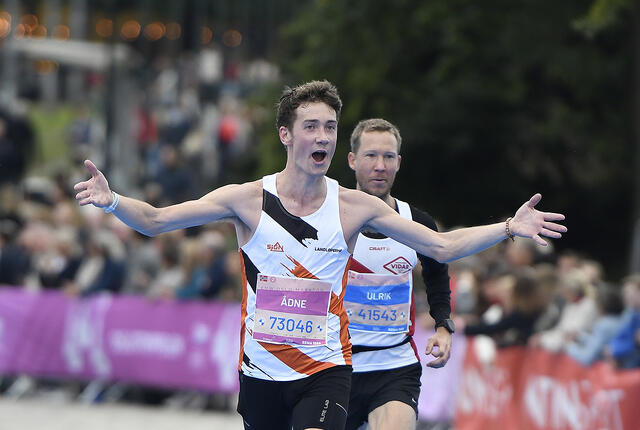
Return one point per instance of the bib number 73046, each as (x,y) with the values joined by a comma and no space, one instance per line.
(291,310)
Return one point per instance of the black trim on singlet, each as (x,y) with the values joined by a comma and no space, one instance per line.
(373,235)
(247,361)
(363,348)
(250,270)
(295,226)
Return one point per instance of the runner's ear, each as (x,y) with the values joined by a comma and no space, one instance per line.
(351,158)
(285,136)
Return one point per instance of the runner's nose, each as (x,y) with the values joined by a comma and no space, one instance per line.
(379,164)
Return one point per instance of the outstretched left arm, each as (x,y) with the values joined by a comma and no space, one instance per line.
(445,247)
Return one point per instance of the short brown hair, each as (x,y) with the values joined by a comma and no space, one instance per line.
(311,92)
(373,124)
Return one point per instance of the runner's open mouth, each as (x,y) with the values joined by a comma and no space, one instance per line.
(319,156)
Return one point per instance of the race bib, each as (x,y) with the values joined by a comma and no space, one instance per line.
(291,310)
(378,303)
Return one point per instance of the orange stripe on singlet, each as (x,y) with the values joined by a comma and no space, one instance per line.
(299,271)
(296,359)
(243,307)
(337,308)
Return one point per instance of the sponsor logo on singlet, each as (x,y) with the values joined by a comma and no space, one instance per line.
(379,248)
(276,247)
(398,265)
(321,249)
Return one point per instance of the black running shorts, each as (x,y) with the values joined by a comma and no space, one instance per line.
(370,390)
(317,401)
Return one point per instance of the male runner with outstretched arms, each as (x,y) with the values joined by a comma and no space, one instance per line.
(386,369)
(296,230)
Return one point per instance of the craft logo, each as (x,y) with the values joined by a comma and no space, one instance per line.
(399,265)
(379,248)
(276,247)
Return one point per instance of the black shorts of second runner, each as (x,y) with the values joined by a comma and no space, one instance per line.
(317,401)
(370,390)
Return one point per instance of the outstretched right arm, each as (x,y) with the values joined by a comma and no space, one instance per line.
(150,220)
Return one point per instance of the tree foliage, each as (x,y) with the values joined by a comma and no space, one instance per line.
(495,100)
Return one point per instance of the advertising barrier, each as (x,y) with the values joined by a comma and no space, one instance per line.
(531,389)
(194,345)
(120,338)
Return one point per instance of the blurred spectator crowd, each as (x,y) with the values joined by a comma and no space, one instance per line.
(191,127)
(48,242)
(522,294)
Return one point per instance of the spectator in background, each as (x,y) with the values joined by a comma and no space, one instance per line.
(567,262)
(589,345)
(103,269)
(196,277)
(215,263)
(464,285)
(524,303)
(548,280)
(114,269)
(521,253)
(62,261)
(144,263)
(171,274)
(15,258)
(578,313)
(493,293)
(16,142)
(592,270)
(227,135)
(624,348)
(173,176)
(206,268)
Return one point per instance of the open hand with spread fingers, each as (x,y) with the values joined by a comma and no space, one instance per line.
(95,190)
(532,223)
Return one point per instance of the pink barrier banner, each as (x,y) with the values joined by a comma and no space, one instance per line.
(120,338)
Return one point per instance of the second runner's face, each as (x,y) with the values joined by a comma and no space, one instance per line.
(312,140)
(376,163)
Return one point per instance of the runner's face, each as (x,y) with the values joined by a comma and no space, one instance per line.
(376,162)
(312,140)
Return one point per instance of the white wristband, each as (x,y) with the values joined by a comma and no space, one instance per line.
(114,204)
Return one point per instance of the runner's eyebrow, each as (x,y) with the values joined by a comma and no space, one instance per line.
(317,121)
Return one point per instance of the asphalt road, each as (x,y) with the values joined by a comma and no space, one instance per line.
(39,414)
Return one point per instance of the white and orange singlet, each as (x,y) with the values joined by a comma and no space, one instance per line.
(294,272)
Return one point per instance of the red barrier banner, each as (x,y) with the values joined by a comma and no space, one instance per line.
(527,389)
